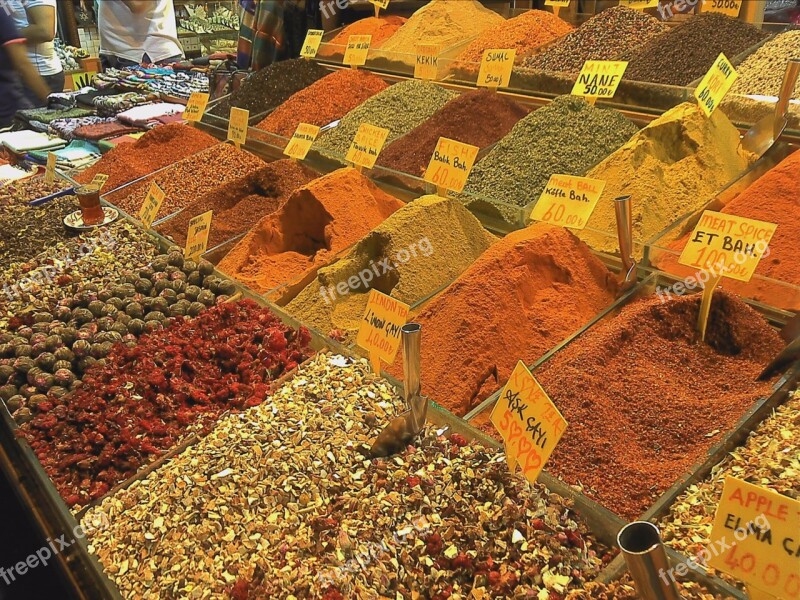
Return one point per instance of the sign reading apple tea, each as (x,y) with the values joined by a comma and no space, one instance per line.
(380,330)
(568,201)
(599,78)
(496,68)
(451,164)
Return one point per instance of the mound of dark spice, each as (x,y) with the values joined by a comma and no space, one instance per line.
(239,204)
(686,52)
(271,86)
(645,399)
(146,398)
(455,120)
(25,231)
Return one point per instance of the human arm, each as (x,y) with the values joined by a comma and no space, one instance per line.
(137,7)
(18,56)
(41,24)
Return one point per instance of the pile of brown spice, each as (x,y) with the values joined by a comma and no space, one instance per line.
(380,28)
(155,150)
(645,399)
(241,203)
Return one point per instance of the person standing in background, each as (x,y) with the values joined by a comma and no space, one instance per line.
(37,22)
(14,65)
(134,32)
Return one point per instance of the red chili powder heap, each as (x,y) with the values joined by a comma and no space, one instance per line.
(241,203)
(155,150)
(774,198)
(455,120)
(380,28)
(525,294)
(325,101)
(141,403)
(316,222)
(645,399)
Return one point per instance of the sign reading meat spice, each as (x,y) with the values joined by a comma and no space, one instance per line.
(151,205)
(50,169)
(197,237)
(301,141)
(427,63)
(496,68)
(451,164)
(367,145)
(712,89)
(731,8)
(237,126)
(756,528)
(529,422)
(195,107)
(311,43)
(99,180)
(379,333)
(568,201)
(357,49)
(639,4)
(729,245)
(599,78)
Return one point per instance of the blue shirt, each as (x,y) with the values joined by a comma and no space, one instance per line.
(10,88)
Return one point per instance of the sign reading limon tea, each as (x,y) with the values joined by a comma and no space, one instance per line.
(427,63)
(732,8)
(568,201)
(379,333)
(195,106)
(311,43)
(50,169)
(451,164)
(716,83)
(197,236)
(496,68)
(639,4)
(357,49)
(237,126)
(367,145)
(301,141)
(728,245)
(99,180)
(756,538)
(151,205)
(599,78)
(529,422)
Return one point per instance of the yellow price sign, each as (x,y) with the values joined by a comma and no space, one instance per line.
(451,164)
(727,245)
(558,3)
(732,8)
(599,78)
(301,141)
(427,63)
(384,4)
(496,68)
(568,201)
(50,169)
(311,43)
(151,205)
(379,333)
(367,145)
(756,538)
(237,126)
(357,49)
(639,4)
(712,89)
(197,236)
(529,422)
(195,106)
(99,180)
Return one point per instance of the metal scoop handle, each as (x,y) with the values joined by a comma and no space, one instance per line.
(785,96)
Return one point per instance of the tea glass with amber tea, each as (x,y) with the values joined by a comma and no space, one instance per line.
(89,199)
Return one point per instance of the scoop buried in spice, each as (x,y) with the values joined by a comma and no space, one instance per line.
(622,206)
(405,427)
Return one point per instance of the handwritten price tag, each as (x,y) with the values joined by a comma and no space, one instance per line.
(599,78)
(639,4)
(195,107)
(151,205)
(99,180)
(529,422)
(427,64)
(301,141)
(237,126)
(197,237)
(379,333)
(558,3)
(568,201)
(732,8)
(357,49)
(728,245)
(451,164)
(311,43)
(712,89)
(50,169)
(367,145)
(496,68)
(384,4)
(755,538)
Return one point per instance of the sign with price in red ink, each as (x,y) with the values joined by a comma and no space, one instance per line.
(756,538)
(450,164)
(529,422)
(716,83)
(568,201)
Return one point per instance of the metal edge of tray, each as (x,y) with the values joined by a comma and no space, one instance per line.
(222,122)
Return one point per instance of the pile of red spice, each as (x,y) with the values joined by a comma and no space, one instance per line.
(155,150)
(455,120)
(241,203)
(774,198)
(380,28)
(143,401)
(324,101)
(645,399)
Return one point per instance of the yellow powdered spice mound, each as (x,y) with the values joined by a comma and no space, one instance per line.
(442,22)
(419,249)
(671,167)
(380,28)
(316,222)
(523,33)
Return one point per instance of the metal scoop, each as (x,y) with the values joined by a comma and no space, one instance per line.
(761,136)
(622,207)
